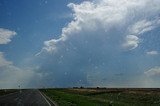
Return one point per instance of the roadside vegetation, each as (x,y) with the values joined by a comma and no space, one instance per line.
(7,91)
(104,97)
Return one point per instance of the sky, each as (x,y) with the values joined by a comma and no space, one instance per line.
(90,43)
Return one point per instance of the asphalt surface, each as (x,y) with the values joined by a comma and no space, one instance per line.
(25,98)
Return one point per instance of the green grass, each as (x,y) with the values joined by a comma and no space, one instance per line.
(131,99)
(69,99)
(72,97)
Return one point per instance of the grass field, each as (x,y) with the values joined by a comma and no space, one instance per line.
(104,97)
(7,91)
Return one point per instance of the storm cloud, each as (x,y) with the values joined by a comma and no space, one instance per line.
(103,45)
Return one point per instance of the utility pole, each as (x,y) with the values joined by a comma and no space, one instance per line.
(19,88)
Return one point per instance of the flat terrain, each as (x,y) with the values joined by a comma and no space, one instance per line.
(31,97)
(105,97)
(7,91)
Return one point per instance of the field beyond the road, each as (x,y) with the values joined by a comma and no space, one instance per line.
(7,91)
(105,96)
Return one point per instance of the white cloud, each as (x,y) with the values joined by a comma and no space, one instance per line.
(131,42)
(152,53)
(137,29)
(142,26)
(6,35)
(155,71)
(10,75)
(107,14)
(51,45)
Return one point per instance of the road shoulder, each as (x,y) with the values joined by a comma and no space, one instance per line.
(51,102)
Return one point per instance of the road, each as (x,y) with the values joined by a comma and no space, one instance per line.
(30,97)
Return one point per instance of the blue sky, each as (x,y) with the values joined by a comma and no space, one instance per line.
(64,43)
(40,20)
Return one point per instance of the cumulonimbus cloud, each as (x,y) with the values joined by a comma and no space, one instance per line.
(96,38)
(107,14)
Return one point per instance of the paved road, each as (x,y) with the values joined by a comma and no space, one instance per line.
(25,98)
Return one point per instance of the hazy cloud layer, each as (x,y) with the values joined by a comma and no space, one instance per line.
(152,53)
(155,71)
(12,76)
